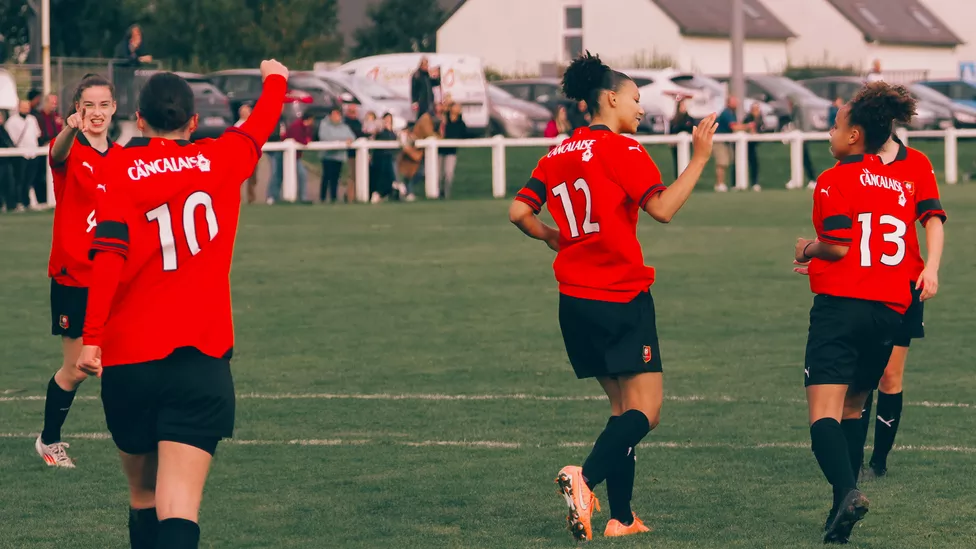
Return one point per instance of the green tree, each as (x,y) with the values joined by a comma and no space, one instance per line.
(400,26)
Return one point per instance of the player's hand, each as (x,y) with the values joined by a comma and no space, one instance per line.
(928,282)
(802,268)
(799,254)
(270,67)
(77,121)
(90,360)
(701,137)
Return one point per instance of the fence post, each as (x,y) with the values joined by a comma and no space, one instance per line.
(951,156)
(432,176)
(741,161)
(684,152)
(362,170)
(902,134)
(289,172)
(796,159)
(49,177)
(498,176)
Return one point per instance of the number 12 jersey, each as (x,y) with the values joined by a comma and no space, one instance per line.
(595,184)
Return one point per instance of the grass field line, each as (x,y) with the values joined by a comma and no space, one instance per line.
(494,397)
(509,445)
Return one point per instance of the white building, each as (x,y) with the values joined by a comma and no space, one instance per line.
(905,35)
(960,16)
(520,36)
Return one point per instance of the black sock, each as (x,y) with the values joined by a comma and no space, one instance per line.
(854,433)
(56,407)
(830,448)
(620,486)
(866,416)
(613,444)
(177,533)
(886,427)
(143,526)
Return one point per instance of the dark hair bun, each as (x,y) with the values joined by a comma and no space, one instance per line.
(585,74)
(166,102)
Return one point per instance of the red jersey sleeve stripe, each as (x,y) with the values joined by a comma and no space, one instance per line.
(837,222)
(539,188)
(531,201)
(659,188)
(929,208)
(834,239)
(120,248)
(234,129)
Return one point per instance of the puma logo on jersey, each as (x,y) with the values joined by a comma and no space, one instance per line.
(826,191)
(101,187)
(87,165)
(633,148)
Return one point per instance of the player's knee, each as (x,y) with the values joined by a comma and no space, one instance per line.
(142,497)
(653,415)
(890,384)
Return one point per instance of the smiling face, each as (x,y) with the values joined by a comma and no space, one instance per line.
(625,105)
(99,108)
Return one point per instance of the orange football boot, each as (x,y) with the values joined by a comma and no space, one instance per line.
(579,499)
(615,528)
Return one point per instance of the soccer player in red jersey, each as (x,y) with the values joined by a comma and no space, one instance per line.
(75,156)
(859,270)
(596,183)
(159,328)
(922,188)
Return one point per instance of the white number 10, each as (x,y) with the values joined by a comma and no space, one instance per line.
(562,191)
(167,240)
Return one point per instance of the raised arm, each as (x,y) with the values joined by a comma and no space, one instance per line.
(62,143)
(663,205)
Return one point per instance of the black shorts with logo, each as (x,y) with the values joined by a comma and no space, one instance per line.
(607,339)
(187,397)
(849,342)
(913,325)
(68,305)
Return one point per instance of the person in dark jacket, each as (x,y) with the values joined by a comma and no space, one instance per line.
(8,198)
(452,127)
(681,122)
(381,174)
(132,49)
(580,116)
(422,85)
(352,120)
(754,122)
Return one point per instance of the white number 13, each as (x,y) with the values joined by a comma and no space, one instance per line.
(897,236)
(167,240)
(562,191)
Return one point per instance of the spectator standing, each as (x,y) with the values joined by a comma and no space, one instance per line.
(25,134)
(8,201)
(132,49)
(833,110)
(875,75)
(34,97)
(754,122)
(276,158)
(799,120)
(722,152)
(559,125)
(381,172)
(681,122)
(422,84)
(252,182)
(580,116)
(411,156)
(51,125)
(371,126)
(333,129)
(453,127)
(301,131)
(352,122)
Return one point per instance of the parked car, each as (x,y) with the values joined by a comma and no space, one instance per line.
(716,96)
(928,116)
(548,93)
(370,95)
(211,105)
(777,91)
(960,91)
(306,93)
(660,94)
(963,115)
(513,117)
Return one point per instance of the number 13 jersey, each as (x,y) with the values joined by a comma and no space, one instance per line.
(595,184)
(864,205)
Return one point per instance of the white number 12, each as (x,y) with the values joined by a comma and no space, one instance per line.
(562,191)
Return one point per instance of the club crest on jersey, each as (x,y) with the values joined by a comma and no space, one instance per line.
(63,322)
(143,169)
(909,188)
(646,354)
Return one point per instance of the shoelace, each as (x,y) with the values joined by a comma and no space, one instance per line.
(57,450)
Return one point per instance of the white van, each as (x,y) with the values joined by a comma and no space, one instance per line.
(462,77)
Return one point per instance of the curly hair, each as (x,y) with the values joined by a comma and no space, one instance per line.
(587,76)
(876,108)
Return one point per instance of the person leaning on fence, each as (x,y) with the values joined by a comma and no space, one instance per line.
(754,124)
(411,157)
(381,172)
(301,132)
(681,122)
(453,127)
(132,48)
(252,182)
(8,201)
(25,132)
(276,158)
(352,121)
(333,130)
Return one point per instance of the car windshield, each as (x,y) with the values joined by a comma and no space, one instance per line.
(494,92)
(781,86)
(928,94)
(201,88)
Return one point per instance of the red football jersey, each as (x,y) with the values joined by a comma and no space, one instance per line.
(171,210)
(862,204)
(75,185)
(917,173)
(596,183)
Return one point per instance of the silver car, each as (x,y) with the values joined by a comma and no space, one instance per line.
(514,117)
(370,95)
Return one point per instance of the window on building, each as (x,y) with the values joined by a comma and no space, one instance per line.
(573,47)
(574,17)
(572,31)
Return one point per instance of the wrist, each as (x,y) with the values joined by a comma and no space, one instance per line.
(806,255)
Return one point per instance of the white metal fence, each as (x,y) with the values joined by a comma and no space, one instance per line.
(499,145)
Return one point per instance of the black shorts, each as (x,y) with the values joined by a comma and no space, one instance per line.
(606,339)
(913,325)
(850,342)
(187,397)
(67,310)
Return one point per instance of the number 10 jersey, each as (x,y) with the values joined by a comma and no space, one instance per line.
(596,183)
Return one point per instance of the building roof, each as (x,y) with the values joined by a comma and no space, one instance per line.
(353,15)
(713,18)
(898,22)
